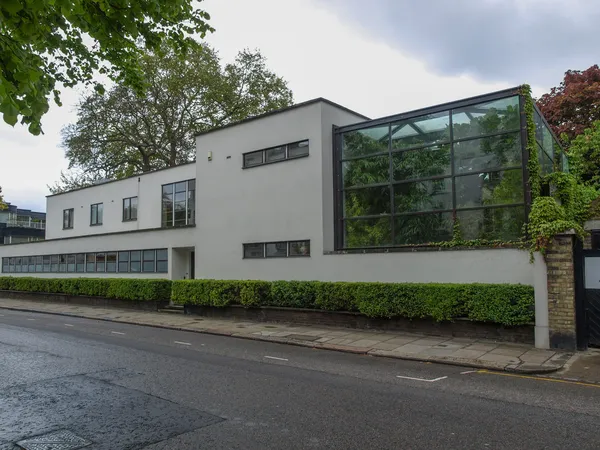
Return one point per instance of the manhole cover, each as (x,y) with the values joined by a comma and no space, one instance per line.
(57,440)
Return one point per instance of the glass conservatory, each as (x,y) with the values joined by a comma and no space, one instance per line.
(409,179)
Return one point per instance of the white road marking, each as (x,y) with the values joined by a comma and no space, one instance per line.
(468,371)
(116,332)
(275,357)
(69,325)
(30,319)
(421,379)
(182,343)
(1,315)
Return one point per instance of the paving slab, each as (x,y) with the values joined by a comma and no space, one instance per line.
(461,351)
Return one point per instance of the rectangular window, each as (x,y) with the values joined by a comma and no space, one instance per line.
(25,264)
(32,264)
(297,149)
(68,218)
(80,262)
(62,263)
(281,249)
(70,263)
(130,209)
(123,261)
(46,261)
(5,264)
(39,263)
(276,154)
(276,249)
(100,262)
(53,263)
(18,265)
(253,159)
(12,265)
(90,262)
(111,262)
(162,262)
(136,261)
(149,261)
(254,250)
(96,212)
(299,248)
(178,204)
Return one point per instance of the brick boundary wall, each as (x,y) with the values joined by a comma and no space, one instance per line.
(561,292)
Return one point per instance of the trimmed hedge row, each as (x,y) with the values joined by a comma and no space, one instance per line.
(500,303)
(118,288)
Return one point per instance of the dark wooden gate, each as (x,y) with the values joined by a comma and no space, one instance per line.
(589,293)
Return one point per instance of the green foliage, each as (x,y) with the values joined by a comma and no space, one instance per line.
(584,155)
(294,294)
(117,288)
(2,203)
(336,296)
(533,166)
(570,205)
(120,134)
(252,293)
(46,43)
(504,304)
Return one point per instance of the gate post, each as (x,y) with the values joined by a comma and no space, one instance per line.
(561,292)
(541,330)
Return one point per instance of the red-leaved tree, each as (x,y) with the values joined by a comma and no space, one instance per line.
(574,105)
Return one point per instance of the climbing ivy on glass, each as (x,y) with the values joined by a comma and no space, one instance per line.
(533,165)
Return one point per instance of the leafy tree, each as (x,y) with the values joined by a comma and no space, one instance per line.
(584,155)
(574,105)
(2,204)
(48,43)
(120,133)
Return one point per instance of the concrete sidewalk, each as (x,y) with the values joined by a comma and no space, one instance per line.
(478,353)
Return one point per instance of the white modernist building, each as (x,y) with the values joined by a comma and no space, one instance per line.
(261,202)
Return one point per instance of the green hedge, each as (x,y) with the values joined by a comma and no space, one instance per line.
(500,303)
(118,288)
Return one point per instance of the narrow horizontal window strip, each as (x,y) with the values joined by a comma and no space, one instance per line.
(266,156)
(276,249)
(112,261)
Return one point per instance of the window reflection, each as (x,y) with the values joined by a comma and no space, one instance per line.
(486,118)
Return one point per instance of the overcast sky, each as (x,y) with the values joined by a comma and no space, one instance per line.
(378,57)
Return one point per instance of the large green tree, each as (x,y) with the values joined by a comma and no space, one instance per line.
(120,133)
(584,155)
(48,43)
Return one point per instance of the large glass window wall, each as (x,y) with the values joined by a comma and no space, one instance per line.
(407,181)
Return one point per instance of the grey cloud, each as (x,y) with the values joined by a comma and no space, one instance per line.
(494,40)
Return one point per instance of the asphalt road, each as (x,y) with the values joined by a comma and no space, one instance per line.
(122,386)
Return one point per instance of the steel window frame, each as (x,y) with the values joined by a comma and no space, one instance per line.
(263,152)
(338,160)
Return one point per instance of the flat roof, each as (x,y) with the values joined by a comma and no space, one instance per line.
(433,109)
(120,179)
(282,110)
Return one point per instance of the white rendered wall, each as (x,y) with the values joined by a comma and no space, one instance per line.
(146,187)
(293,200)
(146,240)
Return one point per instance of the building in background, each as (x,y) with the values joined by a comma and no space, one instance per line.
(21,225)
(313,192)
